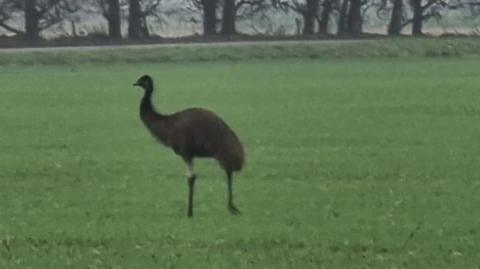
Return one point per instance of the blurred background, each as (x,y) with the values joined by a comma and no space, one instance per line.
(97,21)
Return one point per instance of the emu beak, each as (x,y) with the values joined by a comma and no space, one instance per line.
(136,84)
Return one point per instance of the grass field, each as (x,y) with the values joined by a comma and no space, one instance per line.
(394,48)
(350,164)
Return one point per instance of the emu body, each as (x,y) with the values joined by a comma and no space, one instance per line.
(191,133)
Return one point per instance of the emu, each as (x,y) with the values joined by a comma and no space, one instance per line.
(190,133)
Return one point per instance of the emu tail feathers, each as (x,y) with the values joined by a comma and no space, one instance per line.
(232,157)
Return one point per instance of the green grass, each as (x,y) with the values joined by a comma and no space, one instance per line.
(380,48)
(350,164)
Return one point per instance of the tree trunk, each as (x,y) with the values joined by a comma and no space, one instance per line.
(395,25)
(325,17)
(73,25)
(355,17)
(114,21)
(135,20)
(342,19)
(309,17)
(144,27)
(298,24)
(209,17)
(417,22)
(32,17)
(228,17)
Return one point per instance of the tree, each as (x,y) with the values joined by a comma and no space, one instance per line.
(110,10)
(396,19)
(32,18)
(229,17)
(207,10)
(393,12)
(114,20)
(327,7)
(139,11)
(135,20)
(342,17)
(309,17)
(8,11)
(38,15)
(209,16)
(355,19)
(307,9)
(417,20)
(421,11)
(233,9)
(350,19)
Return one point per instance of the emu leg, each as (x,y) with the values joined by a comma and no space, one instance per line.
(231,207)
(191,185)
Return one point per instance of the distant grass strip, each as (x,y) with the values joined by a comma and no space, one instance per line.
(385,48)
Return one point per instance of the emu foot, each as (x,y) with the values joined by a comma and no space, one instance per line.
(233,210)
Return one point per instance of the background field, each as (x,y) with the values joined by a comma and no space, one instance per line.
(350,164)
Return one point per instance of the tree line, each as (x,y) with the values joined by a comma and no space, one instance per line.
(29,18)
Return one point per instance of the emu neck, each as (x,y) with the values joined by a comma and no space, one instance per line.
(147,111)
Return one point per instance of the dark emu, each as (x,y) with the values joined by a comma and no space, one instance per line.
(191,133)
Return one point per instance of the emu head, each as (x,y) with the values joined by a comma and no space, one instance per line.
(145,82)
